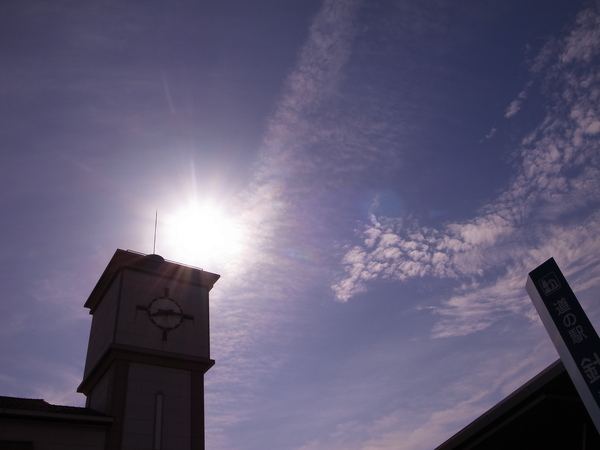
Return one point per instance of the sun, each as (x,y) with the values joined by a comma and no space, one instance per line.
(201,233)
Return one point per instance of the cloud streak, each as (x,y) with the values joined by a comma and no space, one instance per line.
(253,307)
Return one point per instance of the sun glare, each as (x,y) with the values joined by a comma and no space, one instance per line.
(201,234)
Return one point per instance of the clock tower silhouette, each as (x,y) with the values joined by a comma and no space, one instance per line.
(148,351)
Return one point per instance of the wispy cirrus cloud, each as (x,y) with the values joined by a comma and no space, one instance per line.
(515,105)
(555,190)
(272,212)
(456,403)
(464,399)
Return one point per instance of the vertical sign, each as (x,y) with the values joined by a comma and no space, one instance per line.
(571,332)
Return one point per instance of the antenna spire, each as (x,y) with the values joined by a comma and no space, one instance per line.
(155,225)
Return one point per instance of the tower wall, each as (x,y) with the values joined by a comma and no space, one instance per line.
(149,349)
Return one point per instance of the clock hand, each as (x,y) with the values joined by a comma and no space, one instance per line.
(166,312)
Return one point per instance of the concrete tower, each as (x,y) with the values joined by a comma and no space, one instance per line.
(148,351)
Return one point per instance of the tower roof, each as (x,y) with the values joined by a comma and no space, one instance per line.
(155,264)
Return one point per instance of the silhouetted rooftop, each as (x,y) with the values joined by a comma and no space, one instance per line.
(34,407)
(546,412)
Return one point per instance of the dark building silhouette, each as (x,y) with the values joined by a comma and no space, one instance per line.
(148,351)
(545,413)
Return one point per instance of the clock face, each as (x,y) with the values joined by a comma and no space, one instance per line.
(165,313)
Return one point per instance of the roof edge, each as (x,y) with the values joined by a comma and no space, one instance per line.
(492,414)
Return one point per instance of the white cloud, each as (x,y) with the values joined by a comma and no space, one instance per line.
(515,105)
(555,190)
(491,133)
(513,108)
(583,43)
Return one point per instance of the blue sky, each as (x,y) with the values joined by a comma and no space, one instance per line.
(372,180)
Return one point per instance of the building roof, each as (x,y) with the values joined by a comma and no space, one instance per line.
(33,408)
(546,412)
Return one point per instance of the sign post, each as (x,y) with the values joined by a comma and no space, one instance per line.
(571,332)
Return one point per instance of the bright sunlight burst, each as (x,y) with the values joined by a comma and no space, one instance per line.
(201,233)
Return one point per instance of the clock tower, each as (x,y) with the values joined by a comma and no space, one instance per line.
(148,352)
